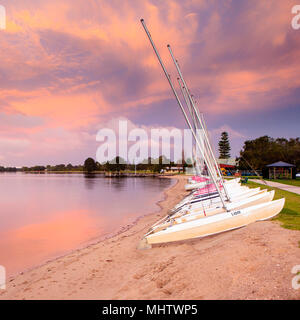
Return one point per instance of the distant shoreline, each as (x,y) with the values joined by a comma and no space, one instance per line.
(103,173)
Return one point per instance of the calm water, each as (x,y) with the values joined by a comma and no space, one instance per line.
(44,216)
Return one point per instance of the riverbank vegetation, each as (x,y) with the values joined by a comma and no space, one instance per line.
(116,165)
(266,150)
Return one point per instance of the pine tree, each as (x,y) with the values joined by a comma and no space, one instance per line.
(224,146)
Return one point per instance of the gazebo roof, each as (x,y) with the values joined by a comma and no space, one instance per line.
(281,164)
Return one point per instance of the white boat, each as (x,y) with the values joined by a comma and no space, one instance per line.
(215,199)
(198,179)
(209,204)
(215,203)
(202,213)
(194,185)
(215,224)
(232,185)
(212,198)
(197,185)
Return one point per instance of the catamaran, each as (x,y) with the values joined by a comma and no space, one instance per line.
(217,223)
(215,205)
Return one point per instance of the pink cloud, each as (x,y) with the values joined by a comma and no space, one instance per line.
(66,66)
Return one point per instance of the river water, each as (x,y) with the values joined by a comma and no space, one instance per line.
(43,216)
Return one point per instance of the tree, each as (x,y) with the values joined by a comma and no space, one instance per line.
(99,166)
(89,165)
(107,166)
(161,163)
(38,168)
(69,167)
(266,150)
(224,146)
(118,164)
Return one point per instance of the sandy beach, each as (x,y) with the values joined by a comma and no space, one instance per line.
(253,262)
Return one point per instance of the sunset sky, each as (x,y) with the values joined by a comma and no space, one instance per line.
(69,67)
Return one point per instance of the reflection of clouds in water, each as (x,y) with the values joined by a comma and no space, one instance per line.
(28,245)
(56,213)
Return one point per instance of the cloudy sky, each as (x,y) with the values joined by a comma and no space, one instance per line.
(68,67)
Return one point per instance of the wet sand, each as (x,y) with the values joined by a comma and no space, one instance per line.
(253,262)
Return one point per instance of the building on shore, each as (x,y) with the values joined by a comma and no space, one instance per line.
(174,169)
(228,166)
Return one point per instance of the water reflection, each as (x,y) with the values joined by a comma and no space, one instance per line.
(43,216)
(89,180)
(30,244)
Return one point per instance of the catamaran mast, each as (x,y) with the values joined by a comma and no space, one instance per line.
(199,119)
(196,123)
(184,113)
(194,155)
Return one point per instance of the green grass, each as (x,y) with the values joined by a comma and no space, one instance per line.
(252,177)
(290,215)
(292,182)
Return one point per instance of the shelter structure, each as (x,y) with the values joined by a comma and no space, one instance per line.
(280,170)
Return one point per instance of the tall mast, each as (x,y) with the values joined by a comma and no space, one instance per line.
(199,119)
(197,166)
(197,127)
(184,113)
(183,90)
(197,124)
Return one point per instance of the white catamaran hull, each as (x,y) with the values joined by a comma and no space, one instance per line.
(197,185)
(215,202)
(193,215)
(212,199)
(207,205)
(216,223)
(229,184)
(233,189)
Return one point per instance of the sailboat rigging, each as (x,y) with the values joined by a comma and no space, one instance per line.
(214,205)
